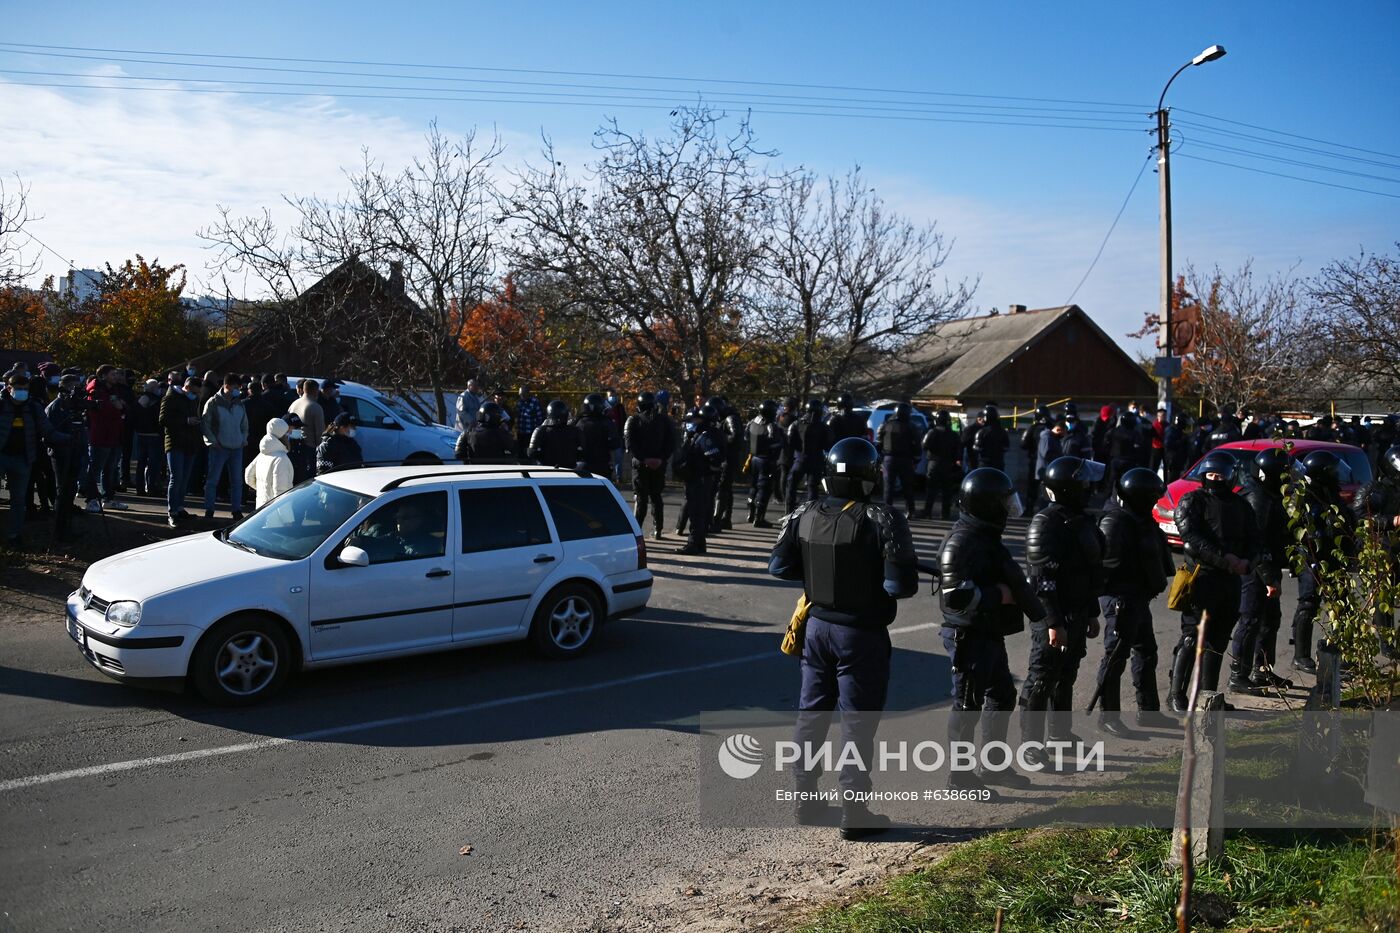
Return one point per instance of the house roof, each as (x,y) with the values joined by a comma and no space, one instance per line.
(962,353)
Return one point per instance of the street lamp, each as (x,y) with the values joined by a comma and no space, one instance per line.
(1167,366)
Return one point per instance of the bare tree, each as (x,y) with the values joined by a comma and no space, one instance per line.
(856,286)
(428,229)
(1247,346)
(662,249)
(1358,301)
(14,216)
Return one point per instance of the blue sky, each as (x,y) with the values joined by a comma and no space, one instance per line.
(115,173)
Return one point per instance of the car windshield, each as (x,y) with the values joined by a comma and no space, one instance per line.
(295,524)
(401,410)
(1358,469)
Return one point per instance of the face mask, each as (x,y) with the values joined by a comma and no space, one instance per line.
(191,395)
(350,432)
(612,399)
(53,380)
(296,434)
(191,372)
(234,393)
(690,427)
(20,395)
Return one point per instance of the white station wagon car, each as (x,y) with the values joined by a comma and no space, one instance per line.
(357,565)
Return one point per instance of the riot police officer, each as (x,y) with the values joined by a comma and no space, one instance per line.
(899,451)
(765,444)
(845,422)
(1256,633)
(984,597)
(489,440)
(1176,447)
(1379,500)
(991,440)
(1322,471)
(809,439)
(730,428)
(943,469)
(1030,446)
(1137,564)
(1220,538)
(557,443)
(599,434)
(650,440)
(1064,548)
(787,417)
(854,558)
(699,462)
(1229,429)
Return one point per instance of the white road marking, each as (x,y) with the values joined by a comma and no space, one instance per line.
(36,780)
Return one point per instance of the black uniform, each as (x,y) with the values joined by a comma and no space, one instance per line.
(1176,449)
(1213,523)
(846,424)
(1256,634)
(899,451)
(991,443)
(1065,551)
(1137,564)
(67,413)
(854,560)
(1124,447)
(557,444)
(650,440)
(942,467)
(808,439)
(765,445)
(486,443)
(731,429)
(1030,446)
(599,441)
(1320,503)
(699,462)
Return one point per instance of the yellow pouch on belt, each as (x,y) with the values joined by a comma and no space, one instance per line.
(797,627)
(1179,593)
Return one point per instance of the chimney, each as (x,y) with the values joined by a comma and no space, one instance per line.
(1016,309)
(396,277)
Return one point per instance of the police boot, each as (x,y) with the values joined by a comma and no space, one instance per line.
(1302,648)
(1211,661)
(1183,658)
(1113,724)
(761,521)
(993,728)
(1241,678)
(858,822)
(752,511)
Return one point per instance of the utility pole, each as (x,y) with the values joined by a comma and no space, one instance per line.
(1167,366)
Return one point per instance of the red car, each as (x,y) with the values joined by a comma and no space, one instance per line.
(1356,471)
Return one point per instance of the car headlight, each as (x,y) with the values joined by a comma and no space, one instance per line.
(449,441)
(125,613)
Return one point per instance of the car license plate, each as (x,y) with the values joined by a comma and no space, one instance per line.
(77,633)
(1170,528)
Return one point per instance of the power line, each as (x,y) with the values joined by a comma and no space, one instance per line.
(1324,168)
(1313,139)
(670,100)
(583,74)
(1313,181)
(541,84)
(1111,227)
(576,103)
(1279,144)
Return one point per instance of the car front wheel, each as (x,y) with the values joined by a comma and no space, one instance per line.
(566,621)
(241,661)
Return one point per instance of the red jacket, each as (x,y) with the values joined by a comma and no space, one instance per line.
(104,417)
(1159,433)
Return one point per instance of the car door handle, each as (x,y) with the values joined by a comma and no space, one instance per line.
(438,573)
(544,559)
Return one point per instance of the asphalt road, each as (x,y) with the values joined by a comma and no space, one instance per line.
(344,803)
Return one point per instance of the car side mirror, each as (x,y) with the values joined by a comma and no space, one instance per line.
(352,556)
(389,421)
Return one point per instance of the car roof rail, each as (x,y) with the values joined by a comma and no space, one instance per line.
(525,471)
(359,465)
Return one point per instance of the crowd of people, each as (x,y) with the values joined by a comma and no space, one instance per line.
(67,434)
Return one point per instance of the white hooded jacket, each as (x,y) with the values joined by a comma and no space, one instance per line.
(270,473)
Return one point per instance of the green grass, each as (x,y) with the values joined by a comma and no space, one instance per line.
(1054,880)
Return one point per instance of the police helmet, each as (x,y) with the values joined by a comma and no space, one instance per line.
(709,413)
(491,415)
(988,494)
(720,406)
(557,412)
(593,404)
(1139,489)
(853,469)
(1390,463)
(1323,470)
(815,407)
(1220,463)
(646,401)
(1070,480)
(902,411)
(991,413)
(846,402)
(1228,409)
(1042,415)
(768,410)
(944,419)
(1271,465)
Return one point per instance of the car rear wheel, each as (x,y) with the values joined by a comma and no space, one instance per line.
(566,621)
(241,661)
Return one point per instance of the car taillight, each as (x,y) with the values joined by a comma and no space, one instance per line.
(641,552)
